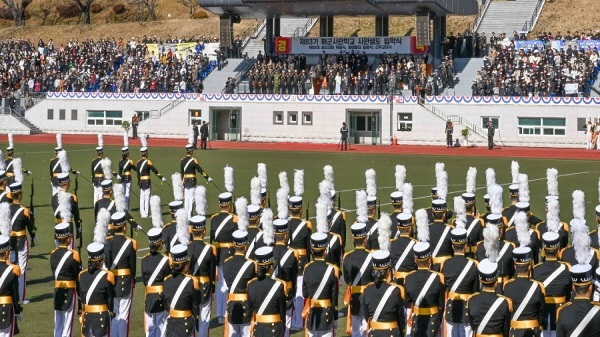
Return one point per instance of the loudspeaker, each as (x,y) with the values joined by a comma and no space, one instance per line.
(225,31)
(423,28)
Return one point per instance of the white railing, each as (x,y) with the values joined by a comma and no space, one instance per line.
(302,31)
(528,26)
(482,9)
(456,119)
(257,29)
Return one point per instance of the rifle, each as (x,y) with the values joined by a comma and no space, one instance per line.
(32,214)
(378,209)
(78,225)
(339,201)
(269,199)
(307,208)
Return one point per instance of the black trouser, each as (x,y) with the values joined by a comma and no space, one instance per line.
(203,143)
(449,139)
(134,130)
(490,142)
(195,144)
(344,143)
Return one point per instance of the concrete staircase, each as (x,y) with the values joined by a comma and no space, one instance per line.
(288,27)
(215,82)
(507,17)
(466,69)
(34,130)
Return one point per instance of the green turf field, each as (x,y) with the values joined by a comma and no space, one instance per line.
(349,171)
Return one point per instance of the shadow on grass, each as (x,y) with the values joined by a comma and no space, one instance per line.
(44,280)
(41,297)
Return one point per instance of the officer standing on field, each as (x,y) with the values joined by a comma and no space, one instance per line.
(143,167)
(126,167)
(188,168)
(491,130)
(344,137)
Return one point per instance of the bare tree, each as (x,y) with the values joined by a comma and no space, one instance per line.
(17,8)
(149,5)
(84,7)
(192,5)
(47,8)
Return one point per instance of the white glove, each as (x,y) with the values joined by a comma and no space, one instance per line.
(210,179)
(77,173)
(163,179)
(29,172)
(19,317)
(118,177)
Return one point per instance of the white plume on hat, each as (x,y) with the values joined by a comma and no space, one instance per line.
(229,178)
(101,228)
(183,232)
(119,195)
(18,169)
(63,159)
(442,185)
(422,220)
(552,180)
(407,198)
(578,204)
(155,211)
(400,177)
(439,167)
(100,140)
(490,178)
(282,203)
(322,222)
(472,180)
(522,228)
(371,177)
(2,165)
(523,188)
(64,205)
(241,208)
(125,139)
(514,171)
(261,170)
(144,140)
(283,181)
(177,186)
(552,216)
(5,219)
(59,140)
(362,211)
(266,219)
(328,174)
(325,193)
(491,242)
(298,182)
(201,201)
(255,195)
(11,142)
(190,135)
(581,241)
(384,226)
(460,209)
(496,199)
(106,164)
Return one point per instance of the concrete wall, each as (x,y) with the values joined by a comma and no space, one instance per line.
(256,116)
(10,124)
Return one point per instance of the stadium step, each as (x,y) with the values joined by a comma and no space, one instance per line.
(236,68)
(33,130)
(460,122)
(466,70)
(507,16)
(288,27)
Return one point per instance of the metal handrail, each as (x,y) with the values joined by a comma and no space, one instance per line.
(167,107)
(251,33)
(302,31)
(534,16)
(455,118)
(240,74)
(484,7)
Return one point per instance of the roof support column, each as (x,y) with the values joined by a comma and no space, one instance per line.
(325,26)
(277,26)
(439,32)
(382,25)
(269,35)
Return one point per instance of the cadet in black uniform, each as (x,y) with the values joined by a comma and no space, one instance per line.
(563,229)
(143,168)
(267,297)
(70,203)
(97,300)
(580,314)
(169,230)
(65,264)
(441,244)
(372,242)
(188,168)
(98,172)
(20,225)
(579,232)
(401,249)
(356,268)
(556,279)
(474,225)
(489,313)
(126,167)
(238,271)
(121,261)
(425,293)
(56,167)
(4,193)
(527,296)
(155,267)
(286,268)
(9,291)
(9,162)
(505,249)
(383,302)
(460,274)
(203,267)
(106,201)
(511,233)
(299,231)
(182,295)
(337,219)
(222,226)
(397,203)
(508,213)
(254,232)
(434,196)
(594,234)
(320,289)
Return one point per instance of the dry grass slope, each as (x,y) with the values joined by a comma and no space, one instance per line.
(564,15)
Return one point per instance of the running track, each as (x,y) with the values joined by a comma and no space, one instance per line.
(482,151)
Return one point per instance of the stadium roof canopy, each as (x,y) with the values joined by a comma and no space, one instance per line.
(267,8)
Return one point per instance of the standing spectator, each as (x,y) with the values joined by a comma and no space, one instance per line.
(203,135)
(195,130)
(449,130)
(134,124)
(491,131)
